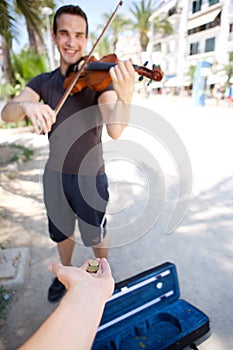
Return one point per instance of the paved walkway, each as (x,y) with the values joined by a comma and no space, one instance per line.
(146,171)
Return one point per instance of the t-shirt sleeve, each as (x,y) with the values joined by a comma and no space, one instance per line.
(35,84)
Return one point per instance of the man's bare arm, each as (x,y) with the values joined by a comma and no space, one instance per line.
(115,105)
(27,104)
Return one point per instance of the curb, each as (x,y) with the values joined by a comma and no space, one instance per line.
(14,263)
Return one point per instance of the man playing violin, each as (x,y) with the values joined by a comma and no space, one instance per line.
(74,180)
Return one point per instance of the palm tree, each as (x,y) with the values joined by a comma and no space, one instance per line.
(118,25)
(34,24)
(103,48)
(162,25)
(142,12)
(7,30)
(229,71)
(31,11)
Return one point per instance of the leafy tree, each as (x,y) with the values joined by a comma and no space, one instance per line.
(31,10)
(25,66)
(142,12)
(229,71)
(118,25)
(162,25)
(7,30)
(29,64)
(34,23)
(104,47)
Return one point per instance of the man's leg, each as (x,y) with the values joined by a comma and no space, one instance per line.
(101,250)
(65,249)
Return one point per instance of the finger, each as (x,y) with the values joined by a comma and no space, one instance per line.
(120,72)
(51,114)
(130,68)
(41,123)
(37,127)
(123,69)
(113,74)
(47,120)
(55,267)
(105,267)
(84,265)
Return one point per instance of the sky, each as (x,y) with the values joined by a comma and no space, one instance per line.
(94,10)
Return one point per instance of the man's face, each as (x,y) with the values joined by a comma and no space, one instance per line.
(70,39)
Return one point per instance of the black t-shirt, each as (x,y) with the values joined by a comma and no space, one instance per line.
(75,138)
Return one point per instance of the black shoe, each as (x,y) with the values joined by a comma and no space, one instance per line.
(56,291)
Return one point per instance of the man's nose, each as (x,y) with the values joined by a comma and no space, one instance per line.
(70,40)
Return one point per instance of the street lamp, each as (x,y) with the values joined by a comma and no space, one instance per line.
(47,11)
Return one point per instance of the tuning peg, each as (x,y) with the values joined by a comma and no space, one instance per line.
(149,82)
(140,78)
(145,64)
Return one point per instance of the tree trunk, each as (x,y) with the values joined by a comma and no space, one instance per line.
(6,54)
(35,42)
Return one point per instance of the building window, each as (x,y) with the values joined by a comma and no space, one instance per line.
(196,6)
(213,2)
(172,11)
(210,45)
(194,48)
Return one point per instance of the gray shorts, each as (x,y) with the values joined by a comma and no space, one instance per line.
(69,198)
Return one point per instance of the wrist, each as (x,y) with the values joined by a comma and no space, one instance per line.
(85,292)
(21,106)
(124,101)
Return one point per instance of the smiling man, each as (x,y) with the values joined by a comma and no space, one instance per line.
(69,193)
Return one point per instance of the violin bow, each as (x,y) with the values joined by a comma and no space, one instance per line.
(85,63)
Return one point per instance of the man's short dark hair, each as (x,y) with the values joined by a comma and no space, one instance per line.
(71,10)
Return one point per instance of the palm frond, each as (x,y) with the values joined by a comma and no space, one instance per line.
(31,13)
(7,21)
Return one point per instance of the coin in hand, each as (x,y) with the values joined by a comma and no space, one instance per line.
(93,266)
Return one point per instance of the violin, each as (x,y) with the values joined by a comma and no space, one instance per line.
(96,75)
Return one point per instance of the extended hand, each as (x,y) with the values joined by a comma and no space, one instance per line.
(101,282)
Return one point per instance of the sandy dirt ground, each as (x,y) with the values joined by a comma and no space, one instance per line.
(201,247)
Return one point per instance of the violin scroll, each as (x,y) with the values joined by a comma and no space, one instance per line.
(155,73)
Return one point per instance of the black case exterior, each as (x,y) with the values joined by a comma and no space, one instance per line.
(146,312)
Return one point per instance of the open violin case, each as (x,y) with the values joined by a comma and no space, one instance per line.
(146,312)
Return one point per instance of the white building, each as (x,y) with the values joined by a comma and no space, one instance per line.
(203,31)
